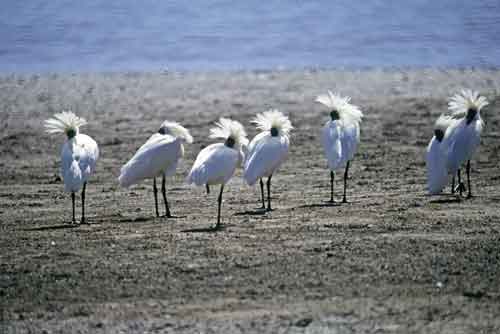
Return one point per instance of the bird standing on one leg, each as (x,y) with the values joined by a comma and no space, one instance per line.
(436,157)
(465,133)
(159,156)
(216,163)
(267,150)
(79,155)
(340,136)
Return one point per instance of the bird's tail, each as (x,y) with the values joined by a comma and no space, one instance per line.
(64,122)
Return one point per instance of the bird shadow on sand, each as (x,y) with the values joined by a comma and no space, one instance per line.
(445,200)
(148,219)
(325,204)
(51,227)
(255,212)
(211,229)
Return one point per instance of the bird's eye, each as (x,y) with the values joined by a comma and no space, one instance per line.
(162,131)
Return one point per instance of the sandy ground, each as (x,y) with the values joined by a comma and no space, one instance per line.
(392,260)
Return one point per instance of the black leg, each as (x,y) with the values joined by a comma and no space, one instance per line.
(164,193)
(83,221)
(208,188)
(453,184)
(461,185)
(469,195)
(73,202)
(220,203)
(332,178)
(262,194)
(346,174)
(155,191)
(269,192)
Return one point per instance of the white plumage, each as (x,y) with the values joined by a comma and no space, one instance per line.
(267,150)
(464,134)
(79,154)
(216,163)
(159,156)
(437,156)
(340,136)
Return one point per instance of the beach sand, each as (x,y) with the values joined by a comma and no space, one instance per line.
(392,260)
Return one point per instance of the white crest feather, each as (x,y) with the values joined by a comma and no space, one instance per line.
(226,128)
(273,119)
(177,130)
(465,100)
(64,122)
(347,111)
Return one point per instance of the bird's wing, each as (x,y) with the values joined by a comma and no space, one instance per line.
(461,142)
(349,139)
(70,169)
(215,164)
(159,154)
(330,139)
(437,173)
(267,155)
(251,147)
(89,153)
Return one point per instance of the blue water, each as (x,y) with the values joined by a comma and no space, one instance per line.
(131,35)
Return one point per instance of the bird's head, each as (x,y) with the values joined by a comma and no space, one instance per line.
(334,114)
(340,107)
(71,132)
(274,132)
(467,103)
(65,122)
(273,121)
(439,134)
(471,114)
(176,130)
(230,142)
(232,131)
(442,123)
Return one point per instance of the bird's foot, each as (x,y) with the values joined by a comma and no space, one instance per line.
(84,221)
(344,200)
(217,227)
(269,209)
(469,196)
(460,188)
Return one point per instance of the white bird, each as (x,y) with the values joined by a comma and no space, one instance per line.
(437,157)
(464,135)
(340,136)
(79,154)
(216,163)
(159,156)
(267,150)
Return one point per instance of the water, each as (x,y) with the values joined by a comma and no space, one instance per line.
(93,35)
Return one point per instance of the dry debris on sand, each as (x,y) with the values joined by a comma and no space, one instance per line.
(392,260)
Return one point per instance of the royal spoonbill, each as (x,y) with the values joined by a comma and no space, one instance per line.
(464,135)
(159,156)
(79,154)
(340,135)
(216,163)
(436,157)
(267,150)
